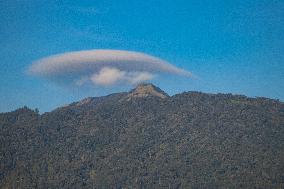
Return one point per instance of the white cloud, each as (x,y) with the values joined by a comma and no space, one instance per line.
(108,76)
(103,67)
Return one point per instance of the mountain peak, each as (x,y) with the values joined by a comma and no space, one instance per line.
(145,90)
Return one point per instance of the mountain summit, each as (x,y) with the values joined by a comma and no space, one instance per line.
(146,90)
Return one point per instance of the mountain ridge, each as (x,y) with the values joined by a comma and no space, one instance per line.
(133,94)
(121,96)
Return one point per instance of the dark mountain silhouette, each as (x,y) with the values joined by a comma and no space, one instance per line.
(146,139)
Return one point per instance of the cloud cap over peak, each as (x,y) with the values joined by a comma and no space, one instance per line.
(95,65)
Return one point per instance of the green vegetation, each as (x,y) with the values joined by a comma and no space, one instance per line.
(190,140)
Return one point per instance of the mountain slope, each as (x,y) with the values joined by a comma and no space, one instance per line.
(190,140)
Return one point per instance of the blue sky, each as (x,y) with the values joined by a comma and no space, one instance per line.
(232,46)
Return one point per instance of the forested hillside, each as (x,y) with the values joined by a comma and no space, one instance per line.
(146,139)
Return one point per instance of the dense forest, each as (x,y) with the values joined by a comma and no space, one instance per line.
(146,139)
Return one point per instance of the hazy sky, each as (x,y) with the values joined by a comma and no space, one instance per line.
(231,46)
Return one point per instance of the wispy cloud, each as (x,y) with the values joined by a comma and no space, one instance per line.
(103,67)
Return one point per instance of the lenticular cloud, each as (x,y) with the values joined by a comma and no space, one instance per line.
(103,67)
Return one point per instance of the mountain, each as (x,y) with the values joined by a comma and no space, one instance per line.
(146,90)
(146,139)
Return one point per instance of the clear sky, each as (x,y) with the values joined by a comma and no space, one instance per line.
(231,46)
